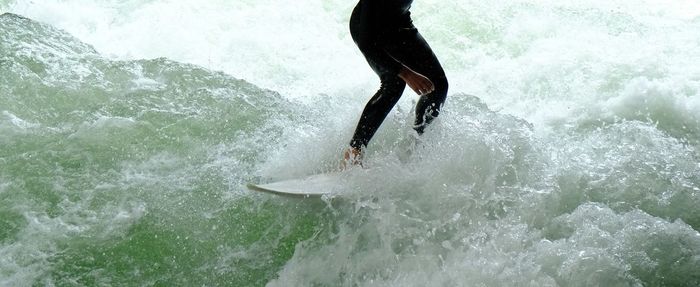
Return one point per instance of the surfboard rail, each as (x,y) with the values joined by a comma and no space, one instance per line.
(259,188)
(315,185)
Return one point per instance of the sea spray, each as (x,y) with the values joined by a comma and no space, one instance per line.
(97,153)
(575,163)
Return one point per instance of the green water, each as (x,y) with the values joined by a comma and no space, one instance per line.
(123,161)
(108,174)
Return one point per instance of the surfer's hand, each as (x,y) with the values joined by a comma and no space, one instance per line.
(418,83)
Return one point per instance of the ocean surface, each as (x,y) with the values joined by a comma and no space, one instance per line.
(568,152)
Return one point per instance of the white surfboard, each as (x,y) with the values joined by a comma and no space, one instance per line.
(312,186)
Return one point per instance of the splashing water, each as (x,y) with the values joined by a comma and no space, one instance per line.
(129,128)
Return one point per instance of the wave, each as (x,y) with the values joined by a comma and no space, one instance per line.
(131,172)
(98,153)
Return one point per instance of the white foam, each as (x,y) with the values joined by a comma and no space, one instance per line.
(573,173)
(295,49)
(18,122)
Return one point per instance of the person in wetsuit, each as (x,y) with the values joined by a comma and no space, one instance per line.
(398,54)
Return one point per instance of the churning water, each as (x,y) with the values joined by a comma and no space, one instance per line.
(567,154)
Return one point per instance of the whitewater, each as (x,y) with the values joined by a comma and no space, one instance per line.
(567,153)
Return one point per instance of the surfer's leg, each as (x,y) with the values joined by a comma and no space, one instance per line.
(390,90)
(410,49)
(377,109)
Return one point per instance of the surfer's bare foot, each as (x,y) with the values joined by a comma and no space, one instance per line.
(351,157)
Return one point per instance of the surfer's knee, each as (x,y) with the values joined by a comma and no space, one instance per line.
(392,82)
(390,90)
(441,85)
(438,96)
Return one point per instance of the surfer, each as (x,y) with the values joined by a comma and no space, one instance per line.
(398,54)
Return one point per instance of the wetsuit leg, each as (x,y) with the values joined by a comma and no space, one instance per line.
(377,109)
(410,49)
(405,46)
(389,92)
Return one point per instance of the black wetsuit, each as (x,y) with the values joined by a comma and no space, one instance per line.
(384,32)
